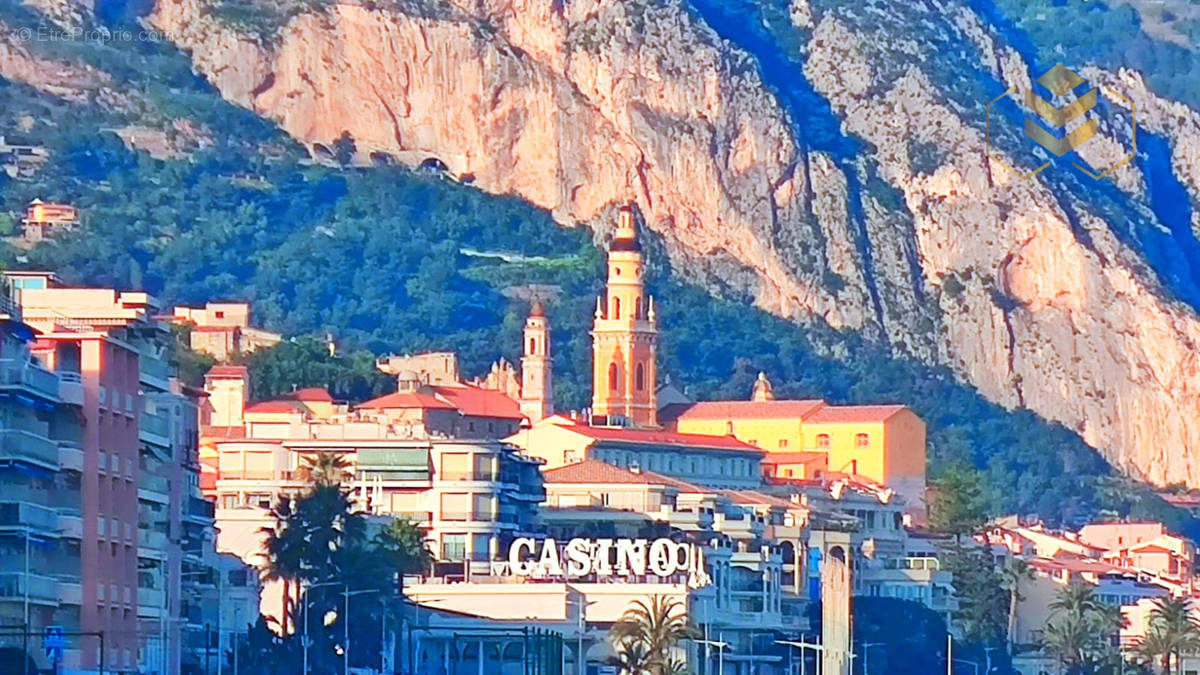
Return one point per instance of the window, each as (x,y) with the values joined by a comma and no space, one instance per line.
(612,376)
(480,544)
(532,345)
(639,378)
(454,547)
(220,314)
(616,308)
(861,440)
(229,501)
(456,466)
(637,308)
(783,443)
(823,441)
(456,506)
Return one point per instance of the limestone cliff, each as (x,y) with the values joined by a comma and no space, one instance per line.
(1026,288)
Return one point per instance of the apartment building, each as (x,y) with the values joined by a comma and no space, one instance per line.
(42,511)
(152,553)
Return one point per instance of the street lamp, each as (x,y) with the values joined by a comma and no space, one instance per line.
(866,659)
(306,641)
(581,605)
(801,645)
(721,646)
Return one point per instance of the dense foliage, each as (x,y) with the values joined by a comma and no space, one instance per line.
(388,260)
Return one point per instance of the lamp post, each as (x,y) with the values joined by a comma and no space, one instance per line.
(346,593)
(866,659)
(306,641)
(581,607)
(801,645)
(721,646)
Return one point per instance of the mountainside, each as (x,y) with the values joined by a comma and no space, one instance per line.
(823,160)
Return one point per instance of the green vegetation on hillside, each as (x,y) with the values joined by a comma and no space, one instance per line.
(389,260)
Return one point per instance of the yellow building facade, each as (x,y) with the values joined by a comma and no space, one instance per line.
(625,336)
(883,443)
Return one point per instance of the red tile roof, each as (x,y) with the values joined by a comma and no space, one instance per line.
(854,413)
(405,400)
(793,457)
(755,498)
(318,394)
(274,407)
(656,437)
(1149,548)
(227,371)
(593,471)
(223,432)
(719,410)
(474,401)
(215,329)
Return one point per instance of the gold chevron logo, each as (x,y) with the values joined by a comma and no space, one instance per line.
(1060,80)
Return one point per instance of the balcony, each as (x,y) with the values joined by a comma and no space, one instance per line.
(70,457)
(151,540)
(18,445)
(69,591)
(415,517)
(153,488)
(23,515)
(156,429)
(18,586)
(70,387)
(150,601)
(70,525)
(200,509)
(155,372)
(29,376)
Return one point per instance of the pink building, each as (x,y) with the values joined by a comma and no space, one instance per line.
(108,370)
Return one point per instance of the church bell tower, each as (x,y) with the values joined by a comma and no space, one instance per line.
(537,367)
(625,336)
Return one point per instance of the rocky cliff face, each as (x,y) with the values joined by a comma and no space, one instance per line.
(1026,288)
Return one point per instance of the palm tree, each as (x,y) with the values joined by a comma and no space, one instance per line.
(651,631)
(284,549)
(1011,576)
(633,658)
(325,469)
(1172,630)
(403,548)
(1080,631)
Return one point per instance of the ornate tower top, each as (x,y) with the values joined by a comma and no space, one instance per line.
(625,236)
(762,389)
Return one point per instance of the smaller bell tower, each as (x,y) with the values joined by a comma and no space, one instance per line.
(537,366)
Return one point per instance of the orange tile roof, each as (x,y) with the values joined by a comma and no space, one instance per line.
(227,371)
(1149,548)
(719,410)
(223,432)
(854,413)
(479,402)
(273,407)
(593,471)
(405,400)
(793,457)
(656,437)
(318,394)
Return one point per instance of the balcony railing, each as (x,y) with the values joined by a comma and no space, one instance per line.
(156,426)
(26,515)
(70,387)
(29,375)
(416,517)
(153,482)
(201,508)
(26,446)
(150,598)
(70,457)
(154,369)
(152,540)
(37,587)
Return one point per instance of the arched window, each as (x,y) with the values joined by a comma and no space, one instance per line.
(823,441)
(639,377)
(862,440)
(616,308)
(637,308)
(612,376)
(532,346)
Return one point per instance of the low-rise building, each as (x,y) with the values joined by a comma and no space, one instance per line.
(222,329)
